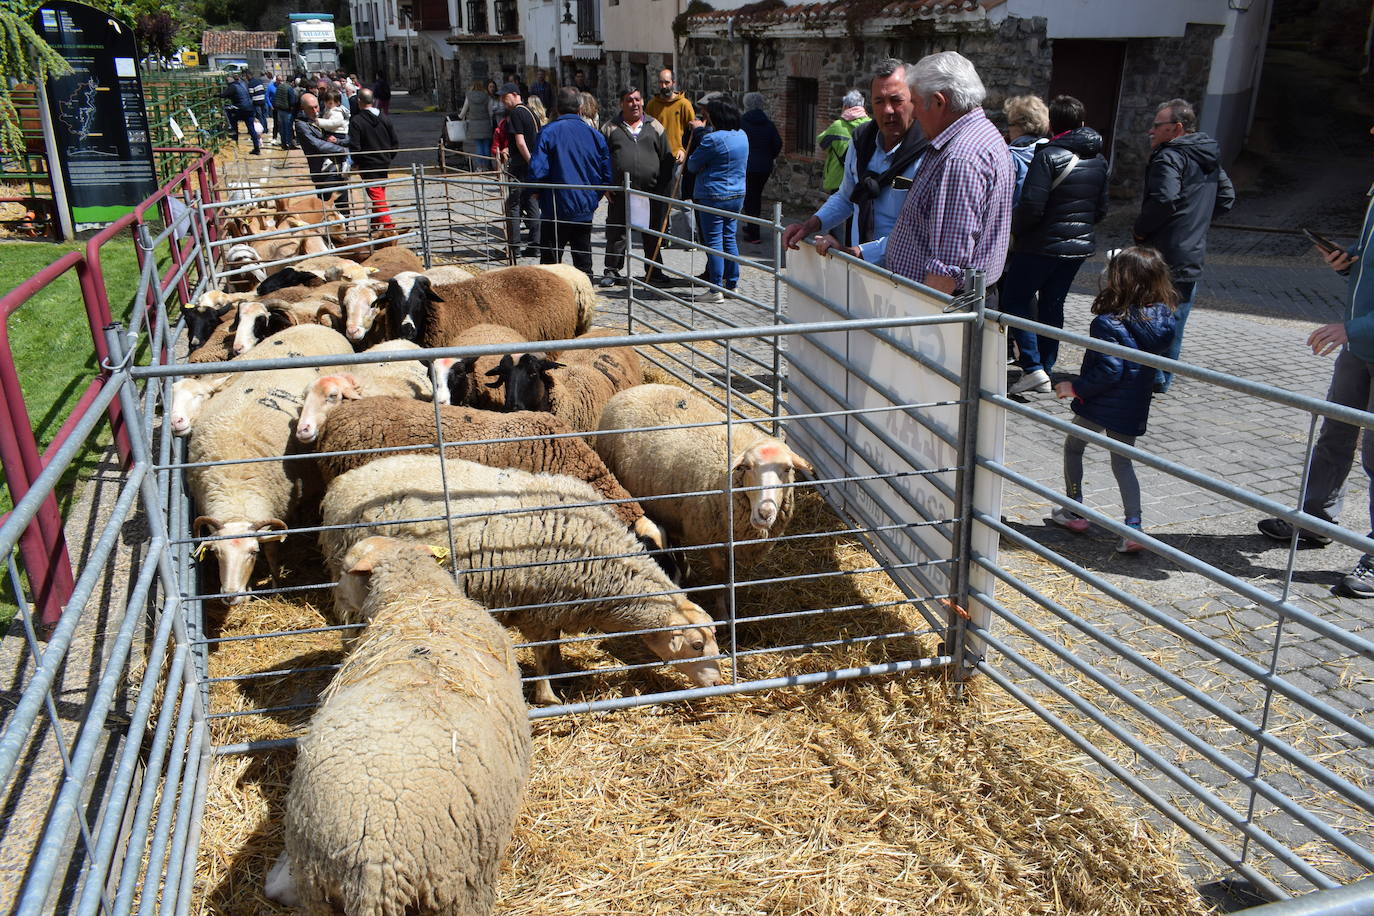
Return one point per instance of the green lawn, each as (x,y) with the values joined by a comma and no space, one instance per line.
(50,338)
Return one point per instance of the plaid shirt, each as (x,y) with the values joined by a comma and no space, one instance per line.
(958,211)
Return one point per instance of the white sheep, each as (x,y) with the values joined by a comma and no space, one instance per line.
(403,378)
(259,319)
(189,397)
(252,417)
(534,541)
(669,462)
(408,782)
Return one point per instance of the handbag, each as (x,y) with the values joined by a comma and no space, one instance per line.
(455,131)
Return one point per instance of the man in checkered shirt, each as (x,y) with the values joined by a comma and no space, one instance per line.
(958,212)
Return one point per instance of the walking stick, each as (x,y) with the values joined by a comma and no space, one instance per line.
(668,213)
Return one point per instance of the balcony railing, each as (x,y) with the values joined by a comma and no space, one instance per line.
(588,28)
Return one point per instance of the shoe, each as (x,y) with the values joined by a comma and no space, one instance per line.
(1034,380)
(1277,529)
(709,296)
(530,251)
(1360,582)
(1066,519)
(1158,388)
(256,152)
(1129,545)
(609,278)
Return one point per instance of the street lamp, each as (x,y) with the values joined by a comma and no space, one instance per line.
(567,13)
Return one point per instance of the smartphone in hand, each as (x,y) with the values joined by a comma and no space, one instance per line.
(1321,241)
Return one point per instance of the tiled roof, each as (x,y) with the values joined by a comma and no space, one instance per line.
(768,13)
(218,42)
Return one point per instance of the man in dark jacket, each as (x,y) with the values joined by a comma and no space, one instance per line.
(1184,186)
(520,202)
(257,93)
(284,110)
(322,157)
(765,143)
(573,153)
(239,107)
(1063,198)
(373,140)
(638,148)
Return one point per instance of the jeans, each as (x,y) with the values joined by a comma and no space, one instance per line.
(522,203)
(1352,385)
(718,234)
(1029,277)
(260,113)
(1186,290)
(286,121)
(246,116)
(558,235)
(481,148)
(1122,469)
(753,200)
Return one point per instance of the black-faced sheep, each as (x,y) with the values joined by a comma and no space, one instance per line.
(575,389)
(670,462)
(259,319)
(252,417)
(364,300)
(408,782)
(537,303)
(463,381)
(403,379)
(526,541)
(212,309)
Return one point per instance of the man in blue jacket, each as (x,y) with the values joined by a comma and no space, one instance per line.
(239,107)
(569,152)
(1352,385)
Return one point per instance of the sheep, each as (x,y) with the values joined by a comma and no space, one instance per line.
(404,379)
(261,318)
(252,418)
(534,302)
(575,389)
(461,381)
(332,290)
(667,462)
(207,314)
(525,541)
(314,271)
(409,779)
(243,257)
(189,396)
(388,262)
(360,301)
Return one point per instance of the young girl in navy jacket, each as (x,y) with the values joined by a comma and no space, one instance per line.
(1112,395)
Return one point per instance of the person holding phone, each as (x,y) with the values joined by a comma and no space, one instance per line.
(1352,385)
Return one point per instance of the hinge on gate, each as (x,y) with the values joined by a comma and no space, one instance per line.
(962,302)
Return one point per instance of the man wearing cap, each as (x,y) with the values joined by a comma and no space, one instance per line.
(524,134)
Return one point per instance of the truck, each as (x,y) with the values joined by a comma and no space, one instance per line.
(276,61)
(313,44)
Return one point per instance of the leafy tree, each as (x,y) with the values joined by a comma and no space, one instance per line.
(157,33)
(24,58)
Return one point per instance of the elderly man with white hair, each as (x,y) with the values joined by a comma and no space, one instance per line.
(958,212)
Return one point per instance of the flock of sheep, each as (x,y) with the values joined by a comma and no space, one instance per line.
(566,497)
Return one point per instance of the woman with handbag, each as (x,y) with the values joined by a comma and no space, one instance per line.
(476,117)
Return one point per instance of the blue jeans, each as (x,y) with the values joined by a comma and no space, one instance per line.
(482,147)
(286,132)
(1187,290)
(718,234)
(1029,277)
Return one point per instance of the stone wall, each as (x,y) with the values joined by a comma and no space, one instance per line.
(1156,70)
(630,68)
(484,60)
(1011,59)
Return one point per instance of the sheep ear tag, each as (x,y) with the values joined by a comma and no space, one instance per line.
(440,553)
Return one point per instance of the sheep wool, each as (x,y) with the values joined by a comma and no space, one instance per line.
(383,422)
(478,394)
(589,378)
(387,263)
(535,541)
(408,782)
(536,303)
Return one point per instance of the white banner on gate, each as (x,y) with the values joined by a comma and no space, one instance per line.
(862,371)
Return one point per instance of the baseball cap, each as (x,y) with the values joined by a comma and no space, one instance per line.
(510,87)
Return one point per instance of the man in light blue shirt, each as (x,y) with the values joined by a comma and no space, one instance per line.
(891,147)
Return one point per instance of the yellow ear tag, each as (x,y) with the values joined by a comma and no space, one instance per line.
(440,553)
(199,552)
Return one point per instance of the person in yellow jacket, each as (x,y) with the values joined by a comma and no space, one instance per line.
(835,138)
(672,109)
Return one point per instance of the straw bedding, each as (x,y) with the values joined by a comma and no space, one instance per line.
(876,797)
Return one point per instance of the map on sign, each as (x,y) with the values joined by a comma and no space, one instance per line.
(79,114)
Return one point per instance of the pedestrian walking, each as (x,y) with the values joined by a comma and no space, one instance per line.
(257,94)
(836,137)
(541,89)
(638,148)
(569,152)
(476,117)
(239,107)
(381,91)
(1352,385)
(1064,198)
(522,133)
(878,172)
(765,143)
(284,103)
(374,144)
(719,162)
(1185,186)
(958,212)
(1112,395)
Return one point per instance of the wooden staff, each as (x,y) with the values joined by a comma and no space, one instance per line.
(668,212)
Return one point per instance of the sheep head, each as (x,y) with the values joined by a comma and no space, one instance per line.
(768,468)
(408,295)
(237,554)
(453,380)
(324,394)
(355,575)
(258,320)
(693,637)
(189,397)
(288,276)
(202,321)
(527,380)
(360,307)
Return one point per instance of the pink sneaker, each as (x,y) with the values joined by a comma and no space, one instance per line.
(1128,545)
(1066,519)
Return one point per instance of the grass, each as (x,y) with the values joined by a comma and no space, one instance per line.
(54,356)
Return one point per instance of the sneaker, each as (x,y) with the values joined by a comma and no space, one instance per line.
(709,296)
(609,278)
(1278,529)
(1129,545)
(530,251)
(1034,380)
(256,152)
(1360,582)
(1066,519)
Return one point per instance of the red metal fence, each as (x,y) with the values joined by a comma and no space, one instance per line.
(43,547)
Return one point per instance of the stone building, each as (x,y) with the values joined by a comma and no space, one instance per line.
(1120,59)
